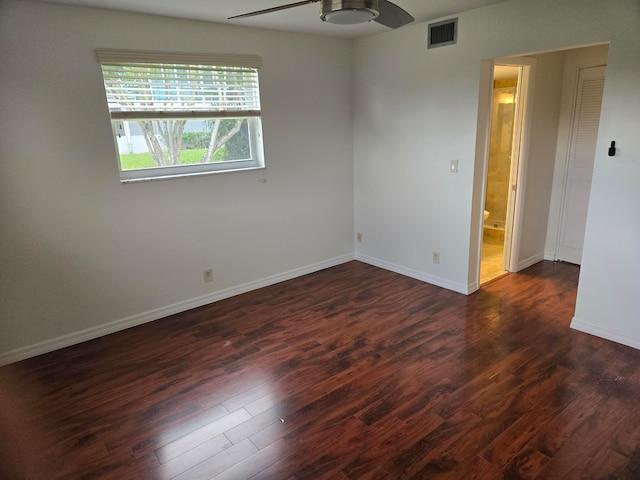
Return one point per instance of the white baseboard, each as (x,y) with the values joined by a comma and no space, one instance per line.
(532,260)
(630,339)
(151,315)
(408,272)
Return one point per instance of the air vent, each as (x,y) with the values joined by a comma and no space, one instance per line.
(443,33)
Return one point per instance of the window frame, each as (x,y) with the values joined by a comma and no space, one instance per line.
(248,108)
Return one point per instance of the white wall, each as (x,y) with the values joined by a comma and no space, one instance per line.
(608,302)
(415,109)
(82,254)
(545,114)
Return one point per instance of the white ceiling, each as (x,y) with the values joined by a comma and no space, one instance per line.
(303,19)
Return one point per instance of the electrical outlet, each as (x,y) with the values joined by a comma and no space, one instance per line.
(359,237)
(207,275)
(436,257)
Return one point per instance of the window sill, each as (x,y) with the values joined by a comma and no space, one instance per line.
(183,175)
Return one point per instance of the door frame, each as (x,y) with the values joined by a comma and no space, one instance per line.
(519,158)
(522,127)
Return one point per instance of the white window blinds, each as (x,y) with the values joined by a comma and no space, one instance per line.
(175,85)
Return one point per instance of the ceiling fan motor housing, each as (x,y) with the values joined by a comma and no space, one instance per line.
(347,12)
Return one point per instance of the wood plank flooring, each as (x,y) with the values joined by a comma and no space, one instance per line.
(349,373)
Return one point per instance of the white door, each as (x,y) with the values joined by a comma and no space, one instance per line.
(510,259)
(582,150)
(519,151)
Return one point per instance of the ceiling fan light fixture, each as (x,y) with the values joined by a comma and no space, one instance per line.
(349,12)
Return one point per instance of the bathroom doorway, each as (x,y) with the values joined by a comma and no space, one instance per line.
(502,173)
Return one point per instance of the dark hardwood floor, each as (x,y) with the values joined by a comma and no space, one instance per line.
(349,373)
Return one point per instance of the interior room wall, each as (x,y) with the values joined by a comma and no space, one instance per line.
(415,109)
(83,254)
(414,112)
(608,304)
(545,117)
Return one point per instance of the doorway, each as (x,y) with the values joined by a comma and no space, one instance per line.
(501,182)
(564,82)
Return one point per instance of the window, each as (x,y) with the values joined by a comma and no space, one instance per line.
(182,114)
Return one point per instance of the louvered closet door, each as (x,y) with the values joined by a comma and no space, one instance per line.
(577,188)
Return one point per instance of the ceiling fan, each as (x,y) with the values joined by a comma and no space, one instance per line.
(348,12)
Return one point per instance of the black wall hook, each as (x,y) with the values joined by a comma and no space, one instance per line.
(612,149)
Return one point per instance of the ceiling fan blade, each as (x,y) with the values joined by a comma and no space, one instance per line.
(391,15)
(274,9)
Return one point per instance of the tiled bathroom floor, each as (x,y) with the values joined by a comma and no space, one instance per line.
(491,266)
